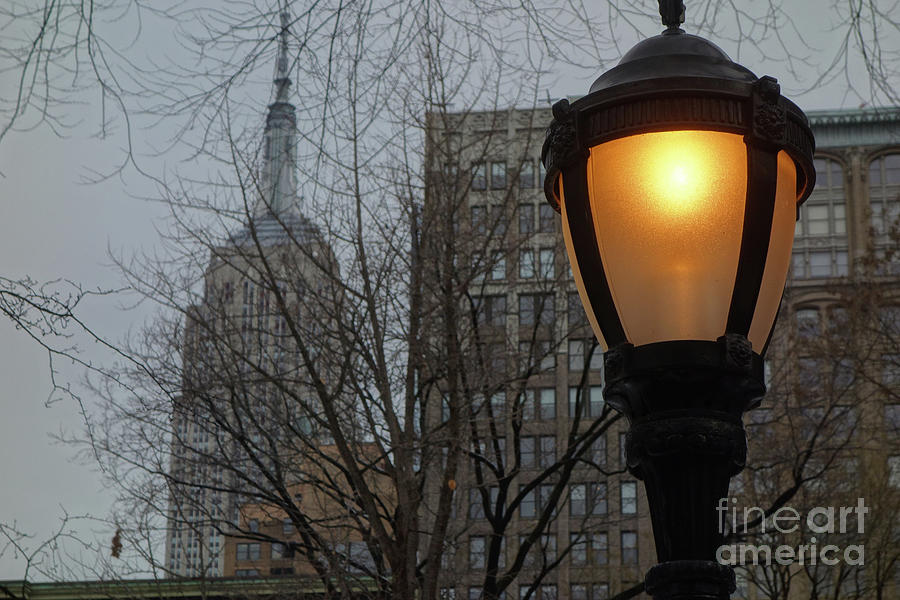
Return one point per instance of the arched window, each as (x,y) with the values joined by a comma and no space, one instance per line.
(884,204)
(884,192)
(820,242)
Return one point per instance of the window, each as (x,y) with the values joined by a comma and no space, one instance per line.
(578,552)
(540,402)
(476,552)
(498,267)
(623,459)
(546,218)
(811,419)
(445,413)
(821,232)
(277,550)
(578,591)
(543,592)
(889,319)
(476,502)
(536,309)
(526,218)
(537,353)
(844,374)
(246,572)
(280,550)
(813,264)
(577,353)
(808,323)
(526,264)
(247,551)
(548,545)
(450,173)
(599,548)
(528,451)
(499,221)
(546,354)
(892,417)
(575,311)
(838,319)
(495,357)
(498,175)
(894,471)
(578,499)
(479,177)
(491,310)
(885,170)
(890,369)
(476,506)
(474,593)
(824,213)
(547,449)
(448,593)
(596,400)
(547,404)
(498,405)
(528,506)
(628,497)
(809,373)
(600,591)
(576,357)
(598,451)
(479,219)
(587,499)
(598,502)
(629,548)
(526,174)
(253,525)
(546,263)
(884,180)
(535,501)
(591,401)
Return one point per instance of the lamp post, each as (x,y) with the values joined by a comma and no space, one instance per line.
(678,178)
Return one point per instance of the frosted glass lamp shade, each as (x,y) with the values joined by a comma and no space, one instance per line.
(668,213)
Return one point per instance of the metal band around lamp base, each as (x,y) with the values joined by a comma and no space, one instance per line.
(690,580)
(721,377)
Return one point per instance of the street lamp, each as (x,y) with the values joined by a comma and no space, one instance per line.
(679,177)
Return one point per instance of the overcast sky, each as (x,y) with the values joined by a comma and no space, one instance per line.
(54,225)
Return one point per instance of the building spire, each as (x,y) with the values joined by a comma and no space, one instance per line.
(282,82)
(279,184)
